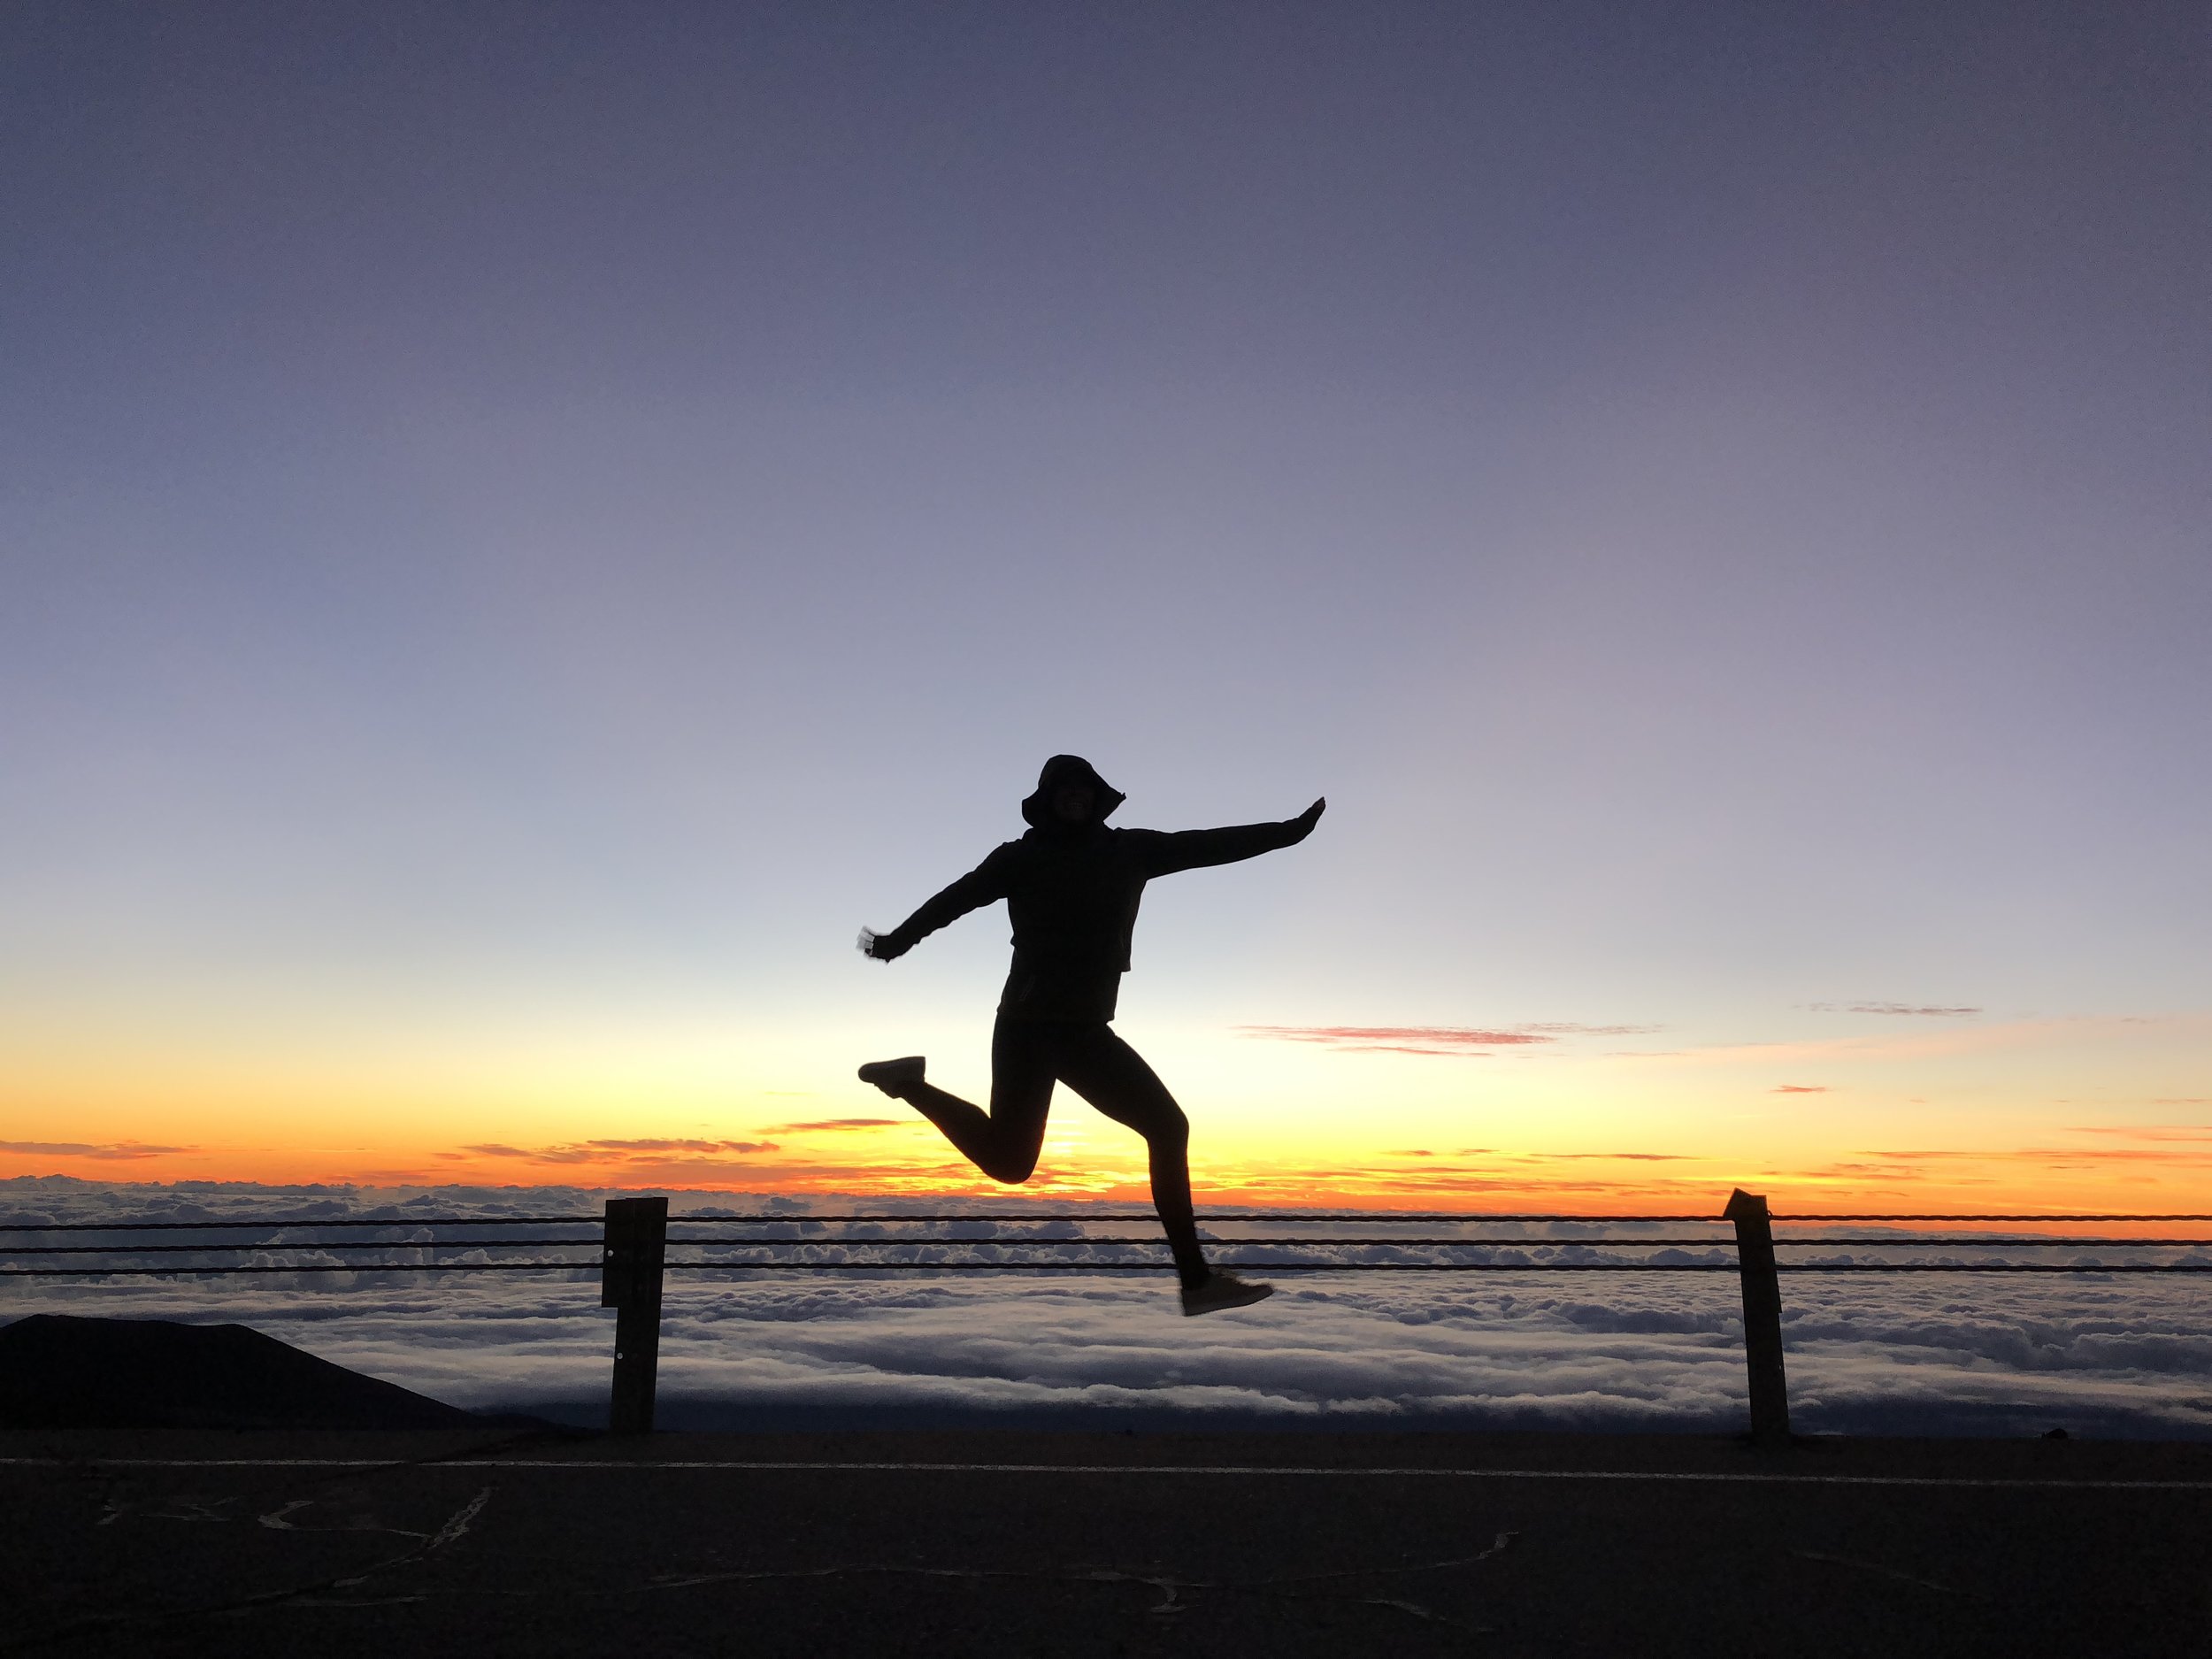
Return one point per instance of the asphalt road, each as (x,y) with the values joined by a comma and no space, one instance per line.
(1283,1545)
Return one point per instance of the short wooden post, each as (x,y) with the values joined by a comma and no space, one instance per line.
(1761,1318)
(635,1247)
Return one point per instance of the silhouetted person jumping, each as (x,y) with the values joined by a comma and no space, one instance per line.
(1071,887)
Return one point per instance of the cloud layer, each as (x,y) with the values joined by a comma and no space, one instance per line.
(1915,1354)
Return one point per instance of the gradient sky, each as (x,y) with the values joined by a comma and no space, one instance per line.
(525,526)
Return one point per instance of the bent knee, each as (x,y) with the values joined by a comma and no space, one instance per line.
(1011,1174)
(1171,1129)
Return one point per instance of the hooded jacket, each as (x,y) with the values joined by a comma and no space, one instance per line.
(1071,892)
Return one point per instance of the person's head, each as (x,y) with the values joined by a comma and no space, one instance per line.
(1069,794)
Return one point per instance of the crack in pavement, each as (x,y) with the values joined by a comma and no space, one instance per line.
(1887,1572)
(1172,1591)
(1167,1586)
(275,1521)
(174,1510)
(457,1526)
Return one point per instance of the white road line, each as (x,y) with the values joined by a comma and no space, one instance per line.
(1752,1477)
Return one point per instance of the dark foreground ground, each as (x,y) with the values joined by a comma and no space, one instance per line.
(332,1545)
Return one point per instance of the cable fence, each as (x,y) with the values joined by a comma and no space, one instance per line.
(635,1244)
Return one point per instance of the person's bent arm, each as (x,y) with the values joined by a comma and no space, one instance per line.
(1165,852)
(984,885)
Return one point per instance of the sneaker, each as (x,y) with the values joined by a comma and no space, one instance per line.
(1220,1290)
(891,1076)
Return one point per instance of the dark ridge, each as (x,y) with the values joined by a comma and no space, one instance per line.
(61,1371)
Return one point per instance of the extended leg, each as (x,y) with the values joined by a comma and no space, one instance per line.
(1114,1078)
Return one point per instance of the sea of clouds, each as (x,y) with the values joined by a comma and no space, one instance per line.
(1920,1353)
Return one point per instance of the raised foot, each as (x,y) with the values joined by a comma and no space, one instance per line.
(1217,1291)
(891,1076)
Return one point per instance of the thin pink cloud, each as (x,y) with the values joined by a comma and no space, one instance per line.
(825,1125)
(1570,1028)
(1798,1089)
(1921,1011)
(1401,1048)
(1431,1039)
(1467,1042)
(109,1151)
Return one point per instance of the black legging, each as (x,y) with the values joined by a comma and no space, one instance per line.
(1027,1057)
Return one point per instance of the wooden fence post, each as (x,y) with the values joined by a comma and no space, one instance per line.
(1762,1319)
(635,1247)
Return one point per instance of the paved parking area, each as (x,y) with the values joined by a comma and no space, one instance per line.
(1283,1545)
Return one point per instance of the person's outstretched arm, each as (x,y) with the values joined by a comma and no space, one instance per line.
(986,884)
(1164,852)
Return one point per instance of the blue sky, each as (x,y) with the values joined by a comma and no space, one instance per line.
(527,526)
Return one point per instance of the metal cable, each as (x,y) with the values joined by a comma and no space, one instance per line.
(1522,1243)
(1163,1264)
(1379,1217)
(2063,1243)
(1808,1220)
(836,1243)
(1017,1216)
(1092,1267)
(236,1226)
(326,1267)
(1409,1267)
(13,1251)
(1398,1244)
(1166,1263)
(1989,1268)
(1383,1218)
(330,1244)
(2059,1242)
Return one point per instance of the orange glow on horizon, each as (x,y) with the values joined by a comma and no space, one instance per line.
(2039,1115)
(2054,1180)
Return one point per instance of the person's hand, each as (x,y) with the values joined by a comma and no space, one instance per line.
(883,946)
(1311,816)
